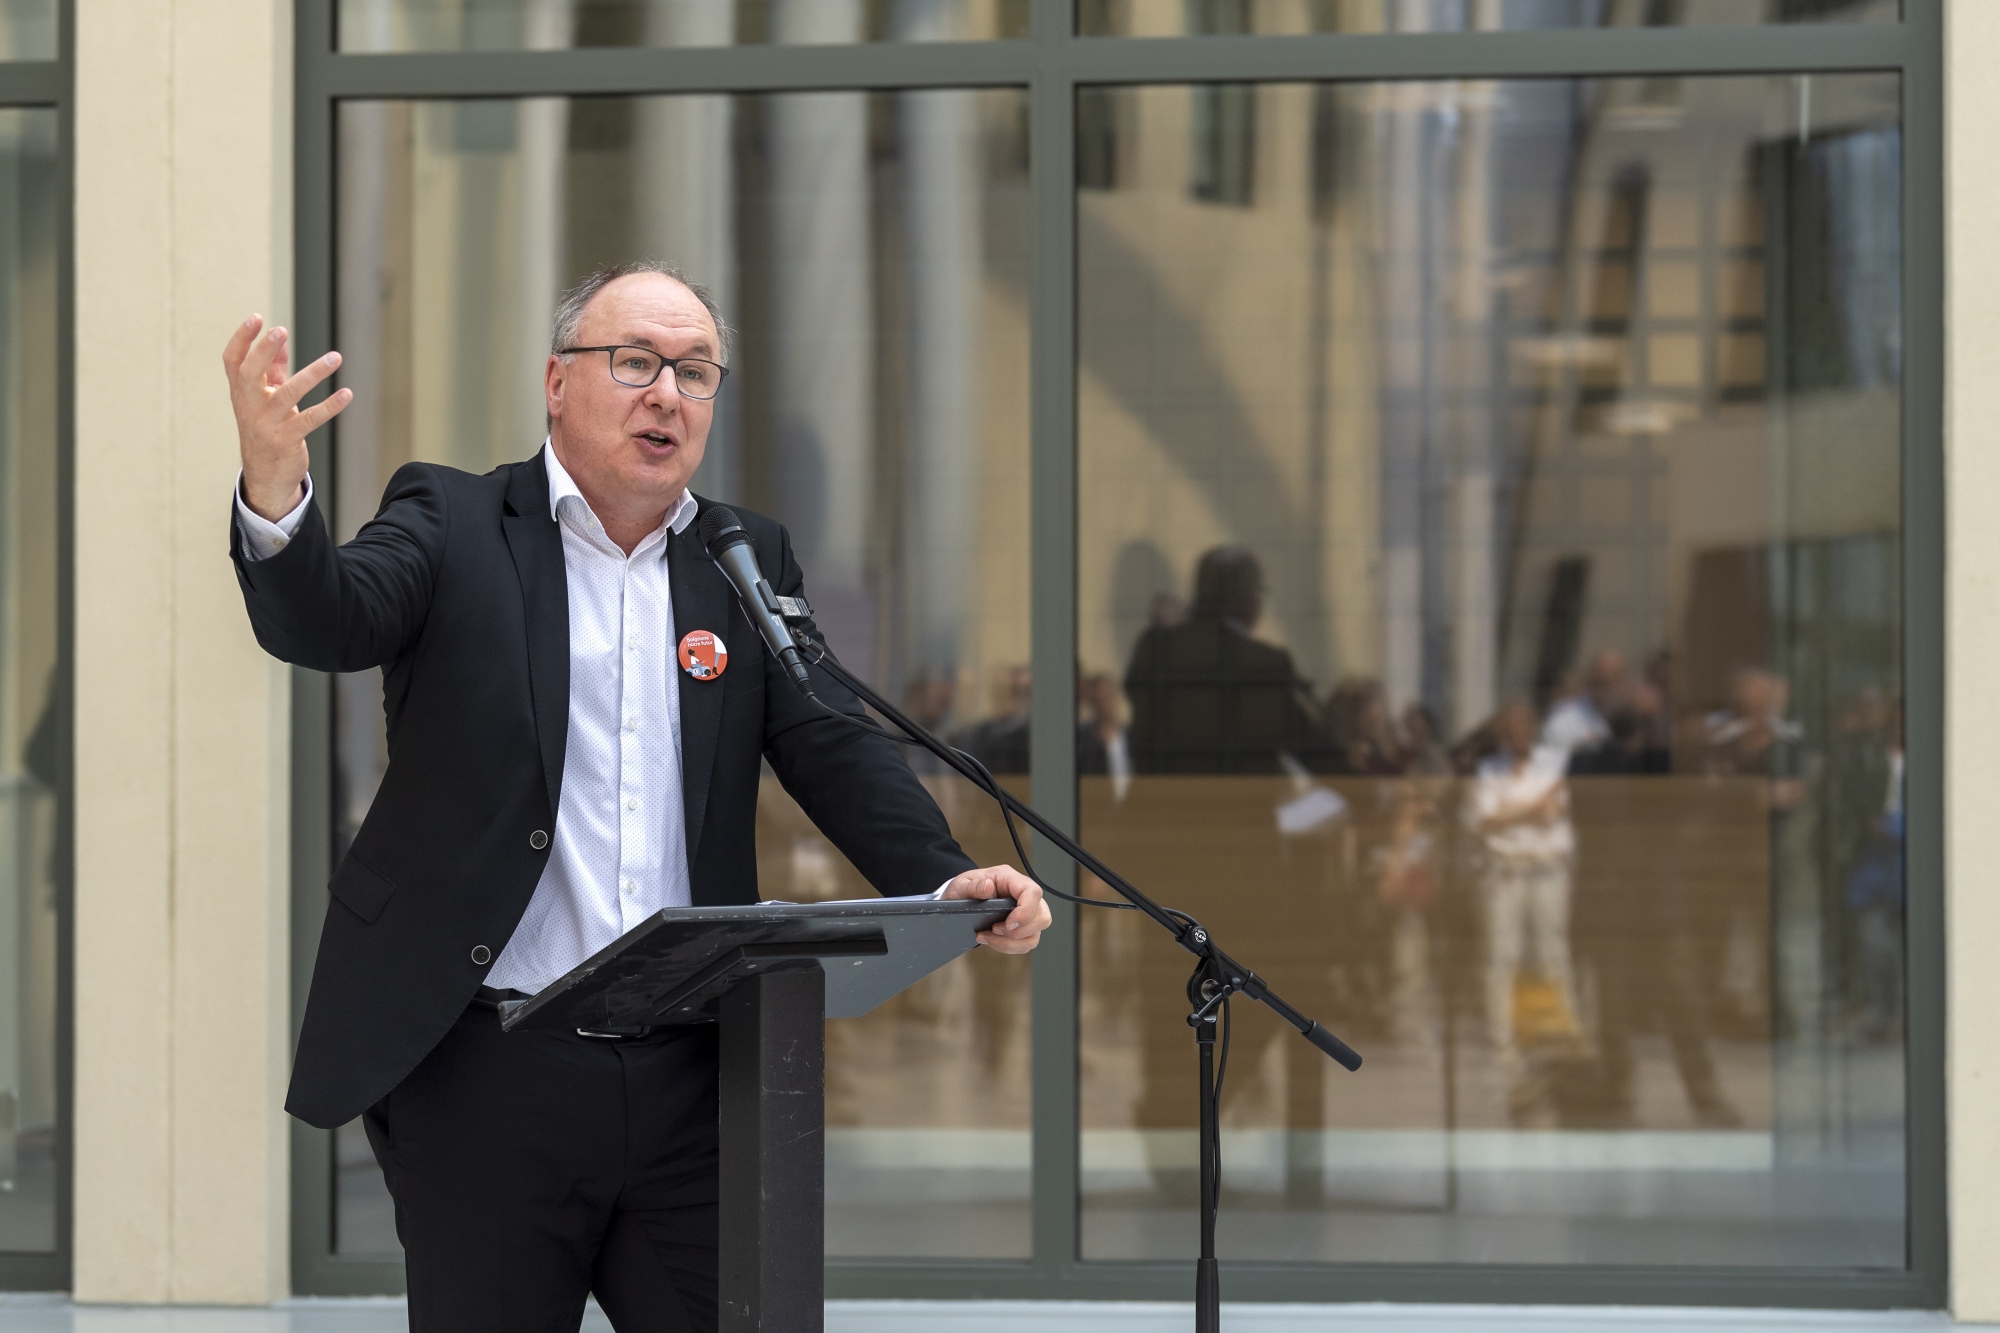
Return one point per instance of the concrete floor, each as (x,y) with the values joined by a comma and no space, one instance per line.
(54,1314)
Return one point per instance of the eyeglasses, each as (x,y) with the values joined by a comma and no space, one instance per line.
(638,367)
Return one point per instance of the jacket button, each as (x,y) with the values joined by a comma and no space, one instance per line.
(481,954)
(538,839)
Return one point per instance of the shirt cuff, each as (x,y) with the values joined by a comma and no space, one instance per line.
(262,538)
(942,887)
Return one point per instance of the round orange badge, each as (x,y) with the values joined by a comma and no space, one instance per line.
(702,655)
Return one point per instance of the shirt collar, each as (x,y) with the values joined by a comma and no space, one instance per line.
(563,487)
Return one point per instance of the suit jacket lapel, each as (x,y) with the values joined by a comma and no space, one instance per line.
(701,601)
(536,543)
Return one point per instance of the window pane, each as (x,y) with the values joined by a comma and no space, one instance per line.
(1185,18)
(28,695)
(27,29)
(1489,605)
(510,25)
(869,248)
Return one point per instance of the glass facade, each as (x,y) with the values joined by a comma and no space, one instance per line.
(869,250)
(30,694)
(27,29)
(537,25)
(1451,495)
(1489,548)
(1196,18)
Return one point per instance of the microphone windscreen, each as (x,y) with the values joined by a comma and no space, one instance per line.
(717,521)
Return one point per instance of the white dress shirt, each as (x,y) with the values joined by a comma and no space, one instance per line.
(620,847)
(620,850)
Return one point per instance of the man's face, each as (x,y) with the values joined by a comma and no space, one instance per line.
(1607,675)
(1516,729)
(625,446)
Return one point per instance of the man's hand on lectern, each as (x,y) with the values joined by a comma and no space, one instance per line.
(269,426)
(1022,930)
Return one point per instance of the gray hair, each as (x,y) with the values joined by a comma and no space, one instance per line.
(570,307)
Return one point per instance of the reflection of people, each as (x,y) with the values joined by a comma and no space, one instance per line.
(553,780)
(1207,697)
(1101,745)
(1754,738)
(1519,807)
(1423,753)
(1409,880)
(1613,724)
(1362,730)
(1866,809)
(1001,741)
(928,697)
(1579,718)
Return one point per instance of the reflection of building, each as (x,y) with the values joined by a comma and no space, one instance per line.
(1534,329)
(1496,362)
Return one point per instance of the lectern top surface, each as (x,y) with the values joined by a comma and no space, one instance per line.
(674,966)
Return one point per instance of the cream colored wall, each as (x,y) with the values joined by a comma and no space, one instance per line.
(183,226)
(1972,639)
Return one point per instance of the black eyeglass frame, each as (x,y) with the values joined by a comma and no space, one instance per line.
(611,358)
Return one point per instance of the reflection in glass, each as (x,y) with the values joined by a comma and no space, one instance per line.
(27,29)
(28,694)
(540,25)
(1185,18)
(868,248)
(1492,528)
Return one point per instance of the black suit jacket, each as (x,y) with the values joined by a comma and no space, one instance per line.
(457,590)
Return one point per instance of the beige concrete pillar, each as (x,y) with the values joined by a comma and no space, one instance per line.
(1972,640)
(183,227)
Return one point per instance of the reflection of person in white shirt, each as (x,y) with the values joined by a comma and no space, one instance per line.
(1578,720)
(1519,807)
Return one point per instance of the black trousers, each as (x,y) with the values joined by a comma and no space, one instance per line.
(529,1170)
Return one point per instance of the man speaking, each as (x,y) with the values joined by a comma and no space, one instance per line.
(577,713)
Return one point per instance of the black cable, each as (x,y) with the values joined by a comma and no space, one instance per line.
(1222,1060)
(1214,1164)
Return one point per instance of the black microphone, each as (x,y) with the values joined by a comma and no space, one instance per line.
(729,546)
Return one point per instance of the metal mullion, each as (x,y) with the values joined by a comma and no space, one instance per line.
(1052,596)
(1578,52)
(1924,629)
(316,1269)
(58,1269)
(33,82)
(627,71)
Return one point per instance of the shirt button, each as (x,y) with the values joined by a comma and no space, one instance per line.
(481,955)
(631,803)
(538,839)
(631,886)
(631,724)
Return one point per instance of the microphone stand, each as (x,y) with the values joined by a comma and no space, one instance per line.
(1216,976)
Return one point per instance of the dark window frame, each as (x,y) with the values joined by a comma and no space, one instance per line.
(49,85)
(1052,63)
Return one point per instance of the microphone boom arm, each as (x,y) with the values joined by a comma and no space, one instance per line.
(1192,937)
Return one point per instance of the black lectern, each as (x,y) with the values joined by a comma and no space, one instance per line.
(771,975)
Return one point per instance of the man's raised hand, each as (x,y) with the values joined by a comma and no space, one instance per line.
(269,426)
